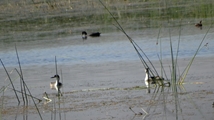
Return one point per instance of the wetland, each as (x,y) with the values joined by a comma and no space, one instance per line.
(103,77)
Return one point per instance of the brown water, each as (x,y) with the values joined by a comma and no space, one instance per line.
(103,77)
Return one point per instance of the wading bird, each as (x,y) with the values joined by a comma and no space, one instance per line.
(157,80)
(148,80)
(56,84)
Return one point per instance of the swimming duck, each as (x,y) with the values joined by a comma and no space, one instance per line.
(96,34)
(57,83)
(199,24)
(84,35)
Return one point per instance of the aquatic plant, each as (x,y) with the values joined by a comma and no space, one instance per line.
(25,99)
(150,17)
(174,58)
(10,81)
(23,86)
(141,54)
(184,73)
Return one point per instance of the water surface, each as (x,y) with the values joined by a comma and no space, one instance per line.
(103,76)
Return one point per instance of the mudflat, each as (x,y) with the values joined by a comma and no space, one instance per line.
(108,91)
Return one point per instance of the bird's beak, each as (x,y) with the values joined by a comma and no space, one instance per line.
(53,77)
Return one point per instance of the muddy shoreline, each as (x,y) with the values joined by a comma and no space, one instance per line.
(107,90)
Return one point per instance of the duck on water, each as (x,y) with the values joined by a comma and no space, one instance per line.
(95,34)
(56,84)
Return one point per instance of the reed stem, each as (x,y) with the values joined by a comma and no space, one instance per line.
(21,79)
(134,44)
(10,81)
(173,74)
(56,66)
(29,93)
(183,75)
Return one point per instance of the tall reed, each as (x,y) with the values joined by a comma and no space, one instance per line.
(24,96)
(135,45)
(186,70)
(56,66)
(29,95)
(2,101)
(25,85)
(10,81)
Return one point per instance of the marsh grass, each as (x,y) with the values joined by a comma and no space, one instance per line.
(56,66)
(141,54)
(175,81)
(31,96)
(2,90)
(150,14)
(186,70)
(136,47)
(10,82)
(24,96)
(24,85)
(24,88)
(63,99)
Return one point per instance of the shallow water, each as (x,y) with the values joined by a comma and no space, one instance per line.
(107,48)
(103,76)
(57,32)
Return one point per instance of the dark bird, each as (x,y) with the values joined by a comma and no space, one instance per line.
(96,34)
(199,24)
(84,35)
